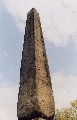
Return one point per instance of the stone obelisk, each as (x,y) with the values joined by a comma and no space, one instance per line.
(35,98)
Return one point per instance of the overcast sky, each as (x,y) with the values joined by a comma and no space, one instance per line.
(59,24)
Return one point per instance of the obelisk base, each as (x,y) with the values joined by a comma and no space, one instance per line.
(40,119)
(43,119)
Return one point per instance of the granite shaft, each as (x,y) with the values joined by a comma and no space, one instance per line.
(35,98)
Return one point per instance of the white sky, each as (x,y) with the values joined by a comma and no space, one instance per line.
(59,24)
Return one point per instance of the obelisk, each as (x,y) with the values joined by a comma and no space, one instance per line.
(35,98)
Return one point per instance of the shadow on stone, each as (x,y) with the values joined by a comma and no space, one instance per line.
(36,116)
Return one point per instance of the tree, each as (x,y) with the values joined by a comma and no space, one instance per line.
(69,113)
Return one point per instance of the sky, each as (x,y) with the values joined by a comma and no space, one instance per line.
(59,24)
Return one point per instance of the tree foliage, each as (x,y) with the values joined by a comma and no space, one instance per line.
(69,113)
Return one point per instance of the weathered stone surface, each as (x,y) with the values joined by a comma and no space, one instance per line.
(35,98)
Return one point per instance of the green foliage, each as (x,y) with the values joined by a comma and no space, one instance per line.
(69,113)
